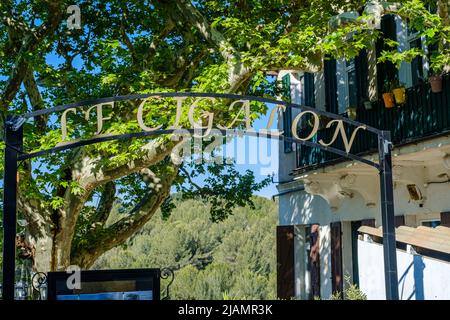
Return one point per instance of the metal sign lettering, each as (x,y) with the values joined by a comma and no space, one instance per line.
(243,116)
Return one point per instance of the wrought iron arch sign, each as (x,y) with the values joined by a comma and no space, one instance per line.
(14,153)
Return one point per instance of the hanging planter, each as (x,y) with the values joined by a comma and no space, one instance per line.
(400,95)
(388,96)
(388,99)
(435,83)
(398,90)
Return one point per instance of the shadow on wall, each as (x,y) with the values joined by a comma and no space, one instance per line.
(325,257)
(296,208)
(301,208)
(418,266)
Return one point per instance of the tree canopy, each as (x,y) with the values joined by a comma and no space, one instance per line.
(142,46)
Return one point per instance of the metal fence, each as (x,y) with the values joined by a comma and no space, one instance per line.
(35,289)
(424,114)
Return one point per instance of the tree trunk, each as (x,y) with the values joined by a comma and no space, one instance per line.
(105,238)
(42,243)
(38,235)
(50,233)
(65,230)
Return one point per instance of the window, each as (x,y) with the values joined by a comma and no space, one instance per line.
(347,85)
(415,41)
(331,85)
(287,114)
(308,90)
(412,74)
(431,223)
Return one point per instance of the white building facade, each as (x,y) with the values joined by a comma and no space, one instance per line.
(324,200)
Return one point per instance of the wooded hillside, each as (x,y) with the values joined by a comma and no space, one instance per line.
(230,259)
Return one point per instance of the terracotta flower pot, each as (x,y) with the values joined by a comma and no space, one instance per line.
(436,83)
(388,99)
(400,95)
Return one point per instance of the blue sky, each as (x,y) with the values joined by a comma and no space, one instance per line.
(247,144)
(259,155)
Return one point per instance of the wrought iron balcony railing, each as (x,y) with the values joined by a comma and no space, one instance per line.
(424,115)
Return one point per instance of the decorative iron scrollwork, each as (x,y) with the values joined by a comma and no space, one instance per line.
(39,284)
(167,273)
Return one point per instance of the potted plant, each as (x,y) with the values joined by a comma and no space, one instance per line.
(435,81)
(436,69)
(388,96)
(399,92)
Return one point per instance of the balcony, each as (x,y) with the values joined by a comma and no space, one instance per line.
(424,115)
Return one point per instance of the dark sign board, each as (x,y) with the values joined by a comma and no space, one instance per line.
(131,284)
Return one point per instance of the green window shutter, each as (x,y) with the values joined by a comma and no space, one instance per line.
(308,87)
(353,87)
(331,101)
(287,115)
(386,71)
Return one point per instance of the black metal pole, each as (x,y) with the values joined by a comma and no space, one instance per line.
(13,143)
(387,216)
